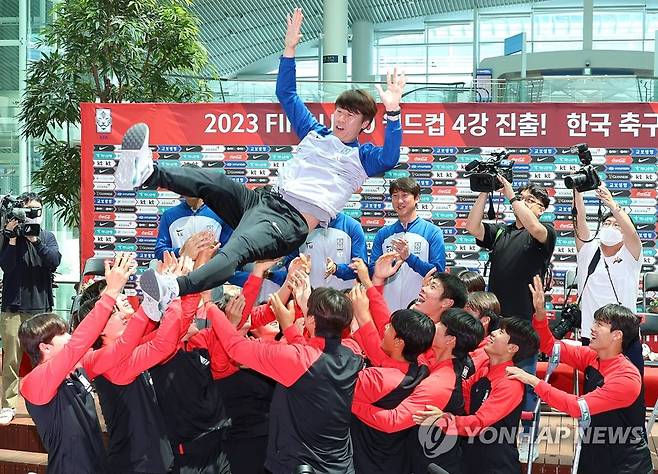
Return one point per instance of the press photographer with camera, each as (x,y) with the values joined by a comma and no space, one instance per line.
(608,266)
(518,251)
(29,256)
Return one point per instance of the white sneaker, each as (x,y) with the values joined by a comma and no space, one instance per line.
(6,415)
(136,160)
(158,290)
(524,449)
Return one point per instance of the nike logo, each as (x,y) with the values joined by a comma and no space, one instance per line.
(564,258)
(168,156)
(644,226)
(280,149)
(104,147)
(258,156)
(643,160)
(213,164)
(104,246)
(617,193)
(104,223)
(469,150)
(103,170)
(190,148)
(541,158)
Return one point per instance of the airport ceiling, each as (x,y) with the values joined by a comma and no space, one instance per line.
(239,33)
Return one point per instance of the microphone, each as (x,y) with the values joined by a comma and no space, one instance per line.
(435,469)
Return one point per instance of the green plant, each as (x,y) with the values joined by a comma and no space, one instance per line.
(104,51)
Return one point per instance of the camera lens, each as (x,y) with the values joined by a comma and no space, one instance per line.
(574,180)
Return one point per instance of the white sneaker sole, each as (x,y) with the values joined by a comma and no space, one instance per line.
(135,162)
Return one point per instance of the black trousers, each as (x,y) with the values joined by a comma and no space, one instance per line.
(246,455)
(265,225)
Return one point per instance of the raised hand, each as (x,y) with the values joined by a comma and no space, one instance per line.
(117,274)
(361,269)
(206,254)
(262,267)
(302,262)
(538,298)
(197,243)
(605,196)
(184,266)
(386,266)
(516,373)
(284,315)
(300,286)
(427,279)
(360,305)
(234,309)
(394,87)
(293,32)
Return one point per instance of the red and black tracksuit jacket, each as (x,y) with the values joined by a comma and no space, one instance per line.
(137,432)
(616,439)
(310,411)
(377,451)
(491,400)
(61,405)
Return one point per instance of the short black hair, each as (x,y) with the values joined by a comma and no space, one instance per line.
(358,101)
(39,328)
(537,191)
(407,185)
(523,335)
(332,310)
(468,331)
(474,281)
(29,196)
(494,319)
(416,329)
(620,318)
(453,288)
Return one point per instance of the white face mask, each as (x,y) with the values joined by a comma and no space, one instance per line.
(610,236)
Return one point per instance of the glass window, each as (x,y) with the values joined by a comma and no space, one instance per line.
(562,25)
(652,26)
(450,58)
(541,46)
(616,24)
(499,28)
(618,45)
(460,33)
(410,59)
(491,50)
(393,38)
(9,69)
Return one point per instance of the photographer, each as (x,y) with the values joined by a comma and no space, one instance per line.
(616,259)
(518,251)
(28,263)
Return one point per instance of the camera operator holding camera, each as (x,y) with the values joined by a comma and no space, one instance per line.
(616,260)
(518,251)
(29,256)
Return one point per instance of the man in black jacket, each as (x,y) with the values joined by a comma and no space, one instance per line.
(28,263)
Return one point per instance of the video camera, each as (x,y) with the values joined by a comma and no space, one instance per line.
(586,178)
(570,319)
(484,174)
(12,208)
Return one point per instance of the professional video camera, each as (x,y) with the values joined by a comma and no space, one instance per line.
(484,174)
(570,318)
(12,208)
(585,179)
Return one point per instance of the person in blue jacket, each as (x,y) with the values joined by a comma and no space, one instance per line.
(417,241)
(328,166)
(332,250)
(190,217)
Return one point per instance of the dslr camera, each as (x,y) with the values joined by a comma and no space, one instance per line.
(12,208)
(585,179)
(570,318)
(483,174)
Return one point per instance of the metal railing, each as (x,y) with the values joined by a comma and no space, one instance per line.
(542,89)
